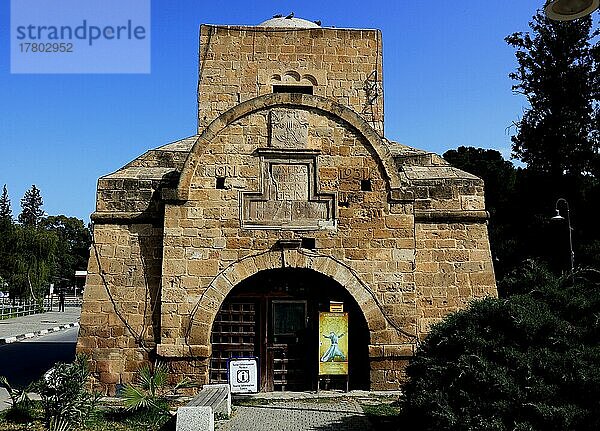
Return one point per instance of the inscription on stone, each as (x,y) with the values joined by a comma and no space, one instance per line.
(221,171)
(288,200)
(290,182)
(289,128)
(225,171)
(354,173)
(287,213)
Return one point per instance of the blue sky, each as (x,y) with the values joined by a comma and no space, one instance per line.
(446,84)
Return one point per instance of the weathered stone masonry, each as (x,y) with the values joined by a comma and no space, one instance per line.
(179,227)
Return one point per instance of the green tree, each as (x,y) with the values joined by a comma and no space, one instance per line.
(40,250)
(489,165)
(31,207)
(32,261)
(5,209)
(72,248)
(528,362)
(557,73)
(6,234)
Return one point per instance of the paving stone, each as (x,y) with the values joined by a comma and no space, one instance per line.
(322,415)
(195,419)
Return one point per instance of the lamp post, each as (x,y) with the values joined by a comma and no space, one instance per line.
(569,10)
(558,217)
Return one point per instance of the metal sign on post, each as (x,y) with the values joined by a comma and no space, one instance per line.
(242,374)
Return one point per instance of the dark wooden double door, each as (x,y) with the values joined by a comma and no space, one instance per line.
(273,328)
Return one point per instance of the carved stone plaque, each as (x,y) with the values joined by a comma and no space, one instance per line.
(290,182)
(289,199)
(289,128)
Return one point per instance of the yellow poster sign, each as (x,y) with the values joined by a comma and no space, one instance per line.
(333,344)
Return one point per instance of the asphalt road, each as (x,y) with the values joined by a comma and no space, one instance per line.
(26,361)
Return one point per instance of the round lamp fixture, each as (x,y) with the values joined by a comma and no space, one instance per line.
(568,10)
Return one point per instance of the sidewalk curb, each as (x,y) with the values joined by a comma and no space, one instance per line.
(16,338)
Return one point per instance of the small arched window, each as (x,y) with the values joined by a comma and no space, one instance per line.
(292,82)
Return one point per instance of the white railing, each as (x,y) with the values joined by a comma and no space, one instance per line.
(51,302)
(15,308)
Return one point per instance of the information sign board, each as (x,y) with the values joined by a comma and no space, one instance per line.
(243,375)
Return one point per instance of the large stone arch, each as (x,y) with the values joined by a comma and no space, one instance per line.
(209,303)
(268,101)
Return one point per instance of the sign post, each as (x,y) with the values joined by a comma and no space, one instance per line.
(242,374)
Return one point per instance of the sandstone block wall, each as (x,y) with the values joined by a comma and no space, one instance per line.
(204,235)
(180,226)
(239,63)
(120,318)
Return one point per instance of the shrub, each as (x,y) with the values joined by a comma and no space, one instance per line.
(20,404)
(151,388)
(528,276)
(528,362)
(64,394)
(148,391)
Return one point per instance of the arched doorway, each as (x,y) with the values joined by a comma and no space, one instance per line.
(274,315)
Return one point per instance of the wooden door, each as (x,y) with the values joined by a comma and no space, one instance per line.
(286,346)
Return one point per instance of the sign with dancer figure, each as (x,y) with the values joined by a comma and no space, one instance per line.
(333,344)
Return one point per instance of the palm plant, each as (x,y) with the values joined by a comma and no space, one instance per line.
(60,424)
(19,399)
(64,394)
(151,388)
(147,391)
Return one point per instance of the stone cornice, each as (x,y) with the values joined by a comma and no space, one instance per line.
(451,216)
(125,217)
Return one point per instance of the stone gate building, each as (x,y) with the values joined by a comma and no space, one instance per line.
(229,243)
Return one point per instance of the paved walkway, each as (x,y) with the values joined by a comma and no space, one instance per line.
(19,328)
(299,415)
(303,411)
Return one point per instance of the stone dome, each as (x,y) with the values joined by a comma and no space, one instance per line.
(283,22)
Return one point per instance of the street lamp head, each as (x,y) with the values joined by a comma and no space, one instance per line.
(557,217)
(569,10)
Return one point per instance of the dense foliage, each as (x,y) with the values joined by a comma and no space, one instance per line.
(557,72)
(521,203)
(64,394)
(528,362)
(72,247)
(31,207)
(40,249)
